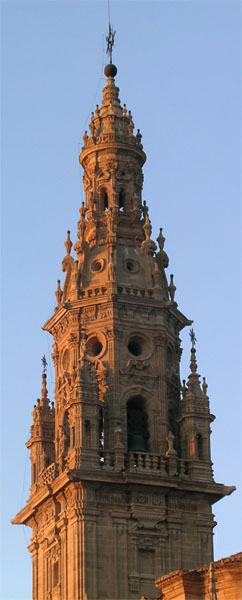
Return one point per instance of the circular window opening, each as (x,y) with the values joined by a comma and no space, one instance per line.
(94,346)
(97,265)
(135,346)
(130,265)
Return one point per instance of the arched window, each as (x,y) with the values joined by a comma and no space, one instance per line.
(137,425)
(87,428)
(103,199)
(65,442)
(56,573)
(121,200)
(199,446)
(34,473)
(184,447)
(101,429)
(73,436)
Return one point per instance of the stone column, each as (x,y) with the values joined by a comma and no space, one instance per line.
(34,548)
(63,525)
(91,556)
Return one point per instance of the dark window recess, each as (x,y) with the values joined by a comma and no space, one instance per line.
(130,265)
(104,199)
(73,436)
(135,346)
(200,446)
(137,425)
(121,200)
(87,428)
(94,346)
(101,429)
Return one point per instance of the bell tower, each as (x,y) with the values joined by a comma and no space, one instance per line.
(122,481)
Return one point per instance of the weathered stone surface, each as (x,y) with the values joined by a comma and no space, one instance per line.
(221,580)
(122,482)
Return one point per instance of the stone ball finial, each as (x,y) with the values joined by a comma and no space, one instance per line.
(110,70)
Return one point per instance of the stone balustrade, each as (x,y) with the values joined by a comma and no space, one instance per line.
(138,462)
(49,474)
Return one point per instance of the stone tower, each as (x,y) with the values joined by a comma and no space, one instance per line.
(122,482)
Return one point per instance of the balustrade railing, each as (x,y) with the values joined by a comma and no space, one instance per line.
(49,474)
(144,461)
(133,462)
(107,460)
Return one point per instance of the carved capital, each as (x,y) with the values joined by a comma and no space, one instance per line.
(161,340)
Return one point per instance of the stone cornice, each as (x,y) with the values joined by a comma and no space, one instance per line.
(214,490)
(112,145)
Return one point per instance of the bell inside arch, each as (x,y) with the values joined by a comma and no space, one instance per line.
(136,442)
(137,425)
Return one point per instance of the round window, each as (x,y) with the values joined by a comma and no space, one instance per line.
(135,346)
(139,346)
(97,265)
(94,346)
(131,266)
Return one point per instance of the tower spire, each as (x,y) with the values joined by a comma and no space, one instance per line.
(104,484)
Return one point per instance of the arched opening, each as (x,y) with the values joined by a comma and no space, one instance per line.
(101,429)
(65,435)
(87,429)
(104,199)
(34,473)
(55,573)
(121,200)
(184,447)
(137,425)
(199,446)
(73,437)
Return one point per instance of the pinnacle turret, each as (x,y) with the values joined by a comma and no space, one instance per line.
(195,420)
(41,442)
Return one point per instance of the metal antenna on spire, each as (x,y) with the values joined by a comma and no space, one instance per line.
(110,36)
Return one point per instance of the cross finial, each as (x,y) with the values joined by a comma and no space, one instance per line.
(44,363)
(193,337)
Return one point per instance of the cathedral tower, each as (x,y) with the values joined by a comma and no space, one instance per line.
(122,482)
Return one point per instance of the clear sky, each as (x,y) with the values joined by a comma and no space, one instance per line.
(179,72)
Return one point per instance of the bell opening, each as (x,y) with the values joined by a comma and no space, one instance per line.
(137,425)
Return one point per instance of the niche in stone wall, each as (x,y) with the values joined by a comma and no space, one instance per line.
(199,446)
(137,425)
(121,200)
(103,199)
(146,561)
(65,434)
(87,430)
(56,573)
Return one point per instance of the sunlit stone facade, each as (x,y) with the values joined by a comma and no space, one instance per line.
(122,481)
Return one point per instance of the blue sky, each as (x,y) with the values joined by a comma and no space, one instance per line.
(179,72)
